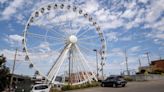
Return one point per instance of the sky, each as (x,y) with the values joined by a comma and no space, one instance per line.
(136,26)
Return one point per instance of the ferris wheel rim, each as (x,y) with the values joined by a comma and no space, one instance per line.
(102,38)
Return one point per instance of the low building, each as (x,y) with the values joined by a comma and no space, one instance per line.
(144,69)
(156,66)
(21,82)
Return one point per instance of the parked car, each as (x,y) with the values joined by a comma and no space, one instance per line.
(114,81)
(40,88)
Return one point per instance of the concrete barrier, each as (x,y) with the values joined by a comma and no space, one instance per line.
(145,77)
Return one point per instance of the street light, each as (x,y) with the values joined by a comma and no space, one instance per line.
(96,61)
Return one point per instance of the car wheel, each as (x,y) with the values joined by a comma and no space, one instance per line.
(123,85)
(114,85)
(102,85)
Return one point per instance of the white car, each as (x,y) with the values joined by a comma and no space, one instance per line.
(40,88)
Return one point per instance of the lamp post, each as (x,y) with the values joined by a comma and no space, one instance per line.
(96,62)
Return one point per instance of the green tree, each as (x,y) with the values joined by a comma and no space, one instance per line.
(4,72)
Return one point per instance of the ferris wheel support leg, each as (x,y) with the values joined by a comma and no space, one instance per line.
(60,61)
(81,66)
(84,76)
(86,63)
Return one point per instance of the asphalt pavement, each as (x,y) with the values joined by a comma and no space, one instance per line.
(147,86)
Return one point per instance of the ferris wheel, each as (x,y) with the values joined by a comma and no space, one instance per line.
(59,39)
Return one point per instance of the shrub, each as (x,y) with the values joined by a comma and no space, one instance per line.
(128,78)
(81,86)
(55,90)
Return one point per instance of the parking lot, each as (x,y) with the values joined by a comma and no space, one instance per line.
(147,86)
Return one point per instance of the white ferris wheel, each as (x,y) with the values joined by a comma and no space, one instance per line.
(59,39)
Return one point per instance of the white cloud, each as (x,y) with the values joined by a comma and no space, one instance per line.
(12,9)
(14,39)
(2,1)
(44,47)
(129,14)
(112,36)
(135,49)
(9,54)
(91,6)
(156,35)
(126,38)
(143,1)
(155,10)
(116,52)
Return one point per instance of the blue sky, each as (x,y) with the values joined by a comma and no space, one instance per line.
(134,25)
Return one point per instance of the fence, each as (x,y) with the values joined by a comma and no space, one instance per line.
(144,77)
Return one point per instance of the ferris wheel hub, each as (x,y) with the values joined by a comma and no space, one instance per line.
(73,39)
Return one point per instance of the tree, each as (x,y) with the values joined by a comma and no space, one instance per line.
(4,72)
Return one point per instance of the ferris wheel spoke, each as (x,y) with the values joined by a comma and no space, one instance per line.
(55,31)
(84,32)
(85,61)
(69,24)
(90,37)
(86,50)
(49,29)
(87,46)
(78,30)
(76,69)
(43,36)
(85,71)
(79,70)
(56,44)
(61,25)
(85,43)
(82,76)
(84,67)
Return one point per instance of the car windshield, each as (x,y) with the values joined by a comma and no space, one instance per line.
(116,78)
(121,79)
(40,87)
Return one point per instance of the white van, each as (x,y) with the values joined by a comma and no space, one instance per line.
(40,88)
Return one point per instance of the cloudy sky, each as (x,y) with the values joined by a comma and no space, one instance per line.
(134,25)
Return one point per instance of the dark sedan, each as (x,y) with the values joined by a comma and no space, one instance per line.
(114,81)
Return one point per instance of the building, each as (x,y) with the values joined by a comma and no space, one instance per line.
(77,77)
(156,66)
(21,82)
(144,69)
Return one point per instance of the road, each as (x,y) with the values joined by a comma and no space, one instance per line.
(147,86)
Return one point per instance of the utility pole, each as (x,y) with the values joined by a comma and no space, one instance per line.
(139,61)
(160,56)
(147,53)
(97,69)
(126,61)
(13,69)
